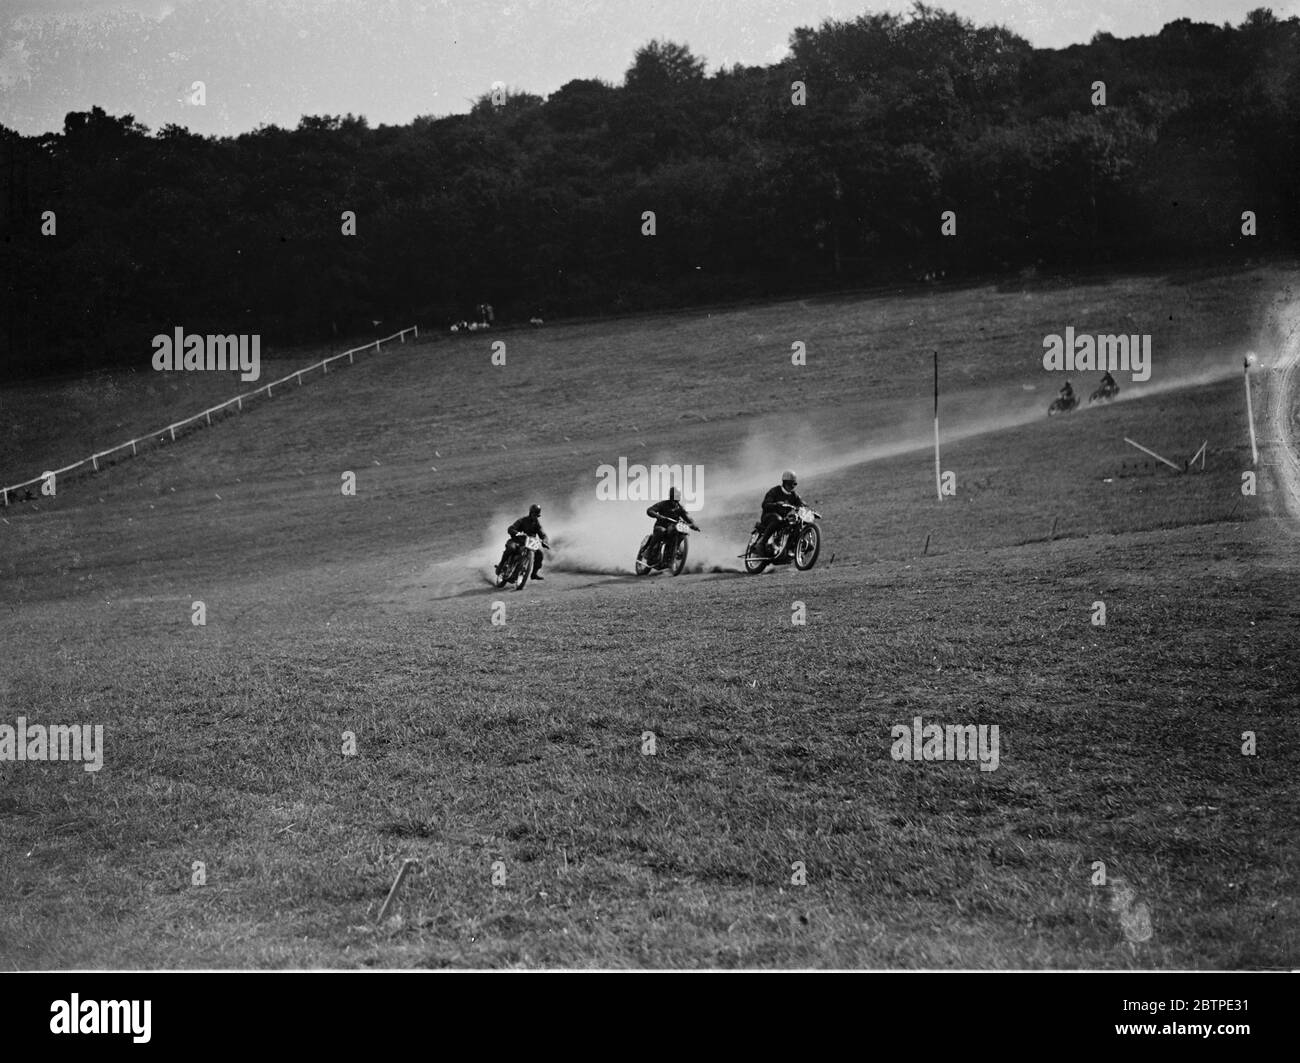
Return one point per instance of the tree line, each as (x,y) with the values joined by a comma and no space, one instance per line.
(829,169)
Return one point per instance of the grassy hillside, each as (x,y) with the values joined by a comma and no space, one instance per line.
(522,743)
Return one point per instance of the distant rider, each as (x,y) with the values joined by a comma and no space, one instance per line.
(1067,394)
(666,514)
(518,531)
(776,504)
(1108,384)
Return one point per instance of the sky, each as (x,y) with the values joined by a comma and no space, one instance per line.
(272,61)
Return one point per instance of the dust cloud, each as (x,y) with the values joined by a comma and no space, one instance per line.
(600,537)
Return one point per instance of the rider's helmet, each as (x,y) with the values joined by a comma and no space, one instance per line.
(674,494)
(788,480)
(534,510)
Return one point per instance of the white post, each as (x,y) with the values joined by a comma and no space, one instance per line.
(1250,416)
(94,460)
(1146,450)
(133,448)
(938,477)
(407,864)
(417,332)
(173,431)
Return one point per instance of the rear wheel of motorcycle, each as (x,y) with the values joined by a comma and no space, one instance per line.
(754,561)
(642,562)
(525,570)
(679,555)
(808,547)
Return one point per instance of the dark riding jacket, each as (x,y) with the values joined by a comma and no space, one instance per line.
(776,500)
(669,511)
(527,526)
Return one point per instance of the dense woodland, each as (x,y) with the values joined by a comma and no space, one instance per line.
(535,205)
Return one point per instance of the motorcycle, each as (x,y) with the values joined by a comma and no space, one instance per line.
(1104,393)
(1063,405)
(797,539)
(670,552)
(518,566)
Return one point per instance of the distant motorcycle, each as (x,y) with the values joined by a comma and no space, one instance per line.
(1104,393)
(797,539)
(669,553)
(1063,405)
(518,566)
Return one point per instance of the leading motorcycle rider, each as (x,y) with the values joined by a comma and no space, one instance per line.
(666,514)
(518,531)
(776,504)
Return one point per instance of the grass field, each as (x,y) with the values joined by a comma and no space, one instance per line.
(520,745)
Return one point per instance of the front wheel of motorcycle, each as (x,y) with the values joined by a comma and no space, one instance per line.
(679,556)
(808,547)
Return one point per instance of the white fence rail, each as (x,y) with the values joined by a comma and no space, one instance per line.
(237,402)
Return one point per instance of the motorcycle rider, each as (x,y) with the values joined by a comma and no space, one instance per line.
(776,504)
(666,514)
(1108,385)
(1067,394)
(518,532)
